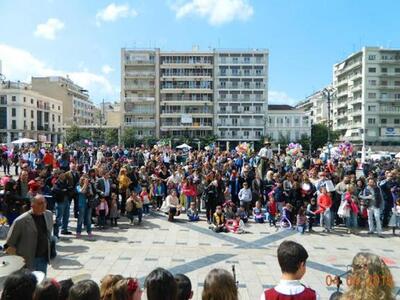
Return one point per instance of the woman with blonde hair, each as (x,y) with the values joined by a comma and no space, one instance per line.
(123,186)
(219,285)
(370,279)
(106,285)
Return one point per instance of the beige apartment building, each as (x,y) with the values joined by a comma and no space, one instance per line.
(367,98)
(195,93)
(78,109)
(29,114)
(316,105)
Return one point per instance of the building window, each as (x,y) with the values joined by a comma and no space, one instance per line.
(384,70)
(59,119)
(372,95)
(59,107)
(14,124)
(246,85)
(371,57)
(396,121)
(397,70)
(24,99)
(396,96)
(32,114)
(24,113)
(31,101)
(372,82)
(371,121)
(13,112)
(235,60)
(246,108)
(397,83)
(246,60)
(372,70)
(3,99)
(384,83)
(14,98)
(246,133)
(383,121)
(384,95)
(371,107)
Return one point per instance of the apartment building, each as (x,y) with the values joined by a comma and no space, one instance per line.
(316,105)
(367,84)
(140,91)
(78,109)
(287,122)
(27,113)
(241,94)
(195,93)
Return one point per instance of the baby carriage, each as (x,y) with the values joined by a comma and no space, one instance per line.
(284,220)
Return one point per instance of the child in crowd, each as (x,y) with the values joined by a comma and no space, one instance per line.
(131,206)
(102,212)
(395,219)
(127,288)
(272,210)
(311,207)
(139,207)
(218,220)
(114,209)
(192,212)
(184,287)
(287,215)
(301,220)
(292,259)
(229,210)
(259,213)
(145,199)
(227,195)
(236,225)
(362,214)
(243,214)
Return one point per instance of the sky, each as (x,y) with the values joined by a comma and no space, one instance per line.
(83,38)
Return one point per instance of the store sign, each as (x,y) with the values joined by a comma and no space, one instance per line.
(391,131)
(186,119)
(42,138)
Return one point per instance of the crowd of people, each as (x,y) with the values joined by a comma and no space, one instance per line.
(106,184)
(219,284)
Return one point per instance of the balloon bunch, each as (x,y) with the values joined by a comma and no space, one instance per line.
(345,149)
(293,149)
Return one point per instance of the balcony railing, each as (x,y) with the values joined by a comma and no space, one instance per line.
(139,61)
(140,74)
(139,99)
(139,87)
(141,124)
(242,86)
(240,73)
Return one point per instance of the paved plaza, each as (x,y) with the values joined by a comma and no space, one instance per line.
(193,249)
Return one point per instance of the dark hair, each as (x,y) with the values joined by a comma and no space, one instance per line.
(19,285)
(65,286)
(184,287)
(48,290)
(290,256)
(84,290)
(160,284)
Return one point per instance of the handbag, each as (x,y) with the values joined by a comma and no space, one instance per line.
(93,202)
(344,210)
(53,251)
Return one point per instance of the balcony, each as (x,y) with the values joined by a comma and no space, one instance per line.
(179,126)
(139,62)
(242,87)
(139,99)
(186,90)
(141,124)
(389,87)
(251,61)
(43,107)
(140,74)
(242,74)
(139,87)
(140,112)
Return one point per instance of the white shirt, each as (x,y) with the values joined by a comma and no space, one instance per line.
(106,187)
(289,287)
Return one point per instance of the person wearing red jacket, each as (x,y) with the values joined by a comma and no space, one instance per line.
(190,191)
(325,204)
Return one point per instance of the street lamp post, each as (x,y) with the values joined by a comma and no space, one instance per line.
(329,93)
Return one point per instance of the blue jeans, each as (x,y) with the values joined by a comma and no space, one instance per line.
(84,217)
(62,216)
(40,264)
(146,208)
(351,221)
(188,200)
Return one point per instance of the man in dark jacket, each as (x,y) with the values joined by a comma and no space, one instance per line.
(61,192)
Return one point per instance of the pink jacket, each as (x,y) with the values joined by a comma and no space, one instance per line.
(101,206)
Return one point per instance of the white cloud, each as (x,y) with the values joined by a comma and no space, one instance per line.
(49,29)
(114,12)
(279,97)
(215,11)
(19,64)
(106,69)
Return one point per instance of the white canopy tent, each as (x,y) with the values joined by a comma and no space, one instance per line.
(397,155)
(183,146)
(24,141)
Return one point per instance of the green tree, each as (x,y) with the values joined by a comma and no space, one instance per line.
(319,135)
(128,137)
(76,134)
(207,140)
(304,141)
(111,136)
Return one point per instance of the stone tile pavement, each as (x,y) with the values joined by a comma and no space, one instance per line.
(193,249)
